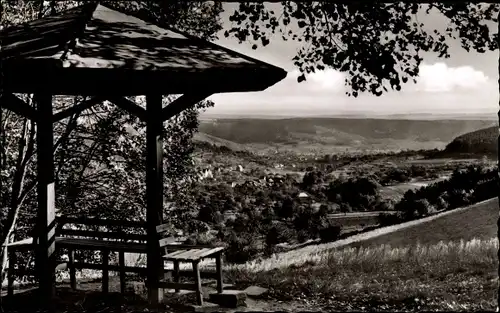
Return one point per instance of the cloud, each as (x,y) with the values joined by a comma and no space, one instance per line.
(439,77)
(328,80)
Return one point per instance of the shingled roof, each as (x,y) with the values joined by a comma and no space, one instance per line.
(92,49)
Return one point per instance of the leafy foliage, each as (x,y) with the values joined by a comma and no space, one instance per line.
(378,45)
(465,187)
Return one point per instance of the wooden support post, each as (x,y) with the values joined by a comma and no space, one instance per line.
(154,195)
(45,228)
(72,269)
(121,259)
(105,270)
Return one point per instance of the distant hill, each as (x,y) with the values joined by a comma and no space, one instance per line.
(479,142)
(206,138)
(331,135)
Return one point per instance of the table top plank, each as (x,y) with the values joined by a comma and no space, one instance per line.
(193,254)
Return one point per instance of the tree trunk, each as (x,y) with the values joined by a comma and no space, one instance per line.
(6,240)
(19,188)
(16,196)
(498,169)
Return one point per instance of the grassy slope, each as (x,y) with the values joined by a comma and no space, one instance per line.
(477,221)
(449,270)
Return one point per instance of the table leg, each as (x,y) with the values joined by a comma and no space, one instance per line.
(218,266)
(199,295)
(176,274)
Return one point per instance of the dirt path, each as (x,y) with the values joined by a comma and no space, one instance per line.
(318,252)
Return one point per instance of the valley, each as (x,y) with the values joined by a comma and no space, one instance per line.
(262,169)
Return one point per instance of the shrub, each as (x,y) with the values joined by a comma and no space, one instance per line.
(206,238)
(303,235)
(423,207)
(279,233)
(240,248)
(385,219)
(329,231)
(441,204)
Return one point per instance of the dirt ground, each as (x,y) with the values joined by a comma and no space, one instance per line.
(89,298)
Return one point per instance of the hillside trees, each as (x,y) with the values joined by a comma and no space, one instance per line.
(480,142)
(465,187)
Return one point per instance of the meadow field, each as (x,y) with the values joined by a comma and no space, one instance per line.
(448,262)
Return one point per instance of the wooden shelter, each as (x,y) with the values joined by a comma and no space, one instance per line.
(96,51)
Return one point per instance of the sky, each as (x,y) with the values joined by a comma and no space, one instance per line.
(464,84)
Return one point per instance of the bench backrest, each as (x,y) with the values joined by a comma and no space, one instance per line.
(164,232)
(104,229)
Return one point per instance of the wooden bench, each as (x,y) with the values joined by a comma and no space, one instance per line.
(193,254)
(76,233)
(106,236)
(71,235)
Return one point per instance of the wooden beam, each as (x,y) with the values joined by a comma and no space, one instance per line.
(18,106)
(83,105)
(154,195)
(45,227)
(182,103)
(129,106)
(31,76)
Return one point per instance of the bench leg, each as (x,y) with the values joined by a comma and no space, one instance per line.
(176,274)
(11,273)
(218,266)
(105,271)
(122,271)
(72,270)
(199,295)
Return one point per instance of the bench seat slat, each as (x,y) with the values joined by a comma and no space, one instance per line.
(99,222)
(167,241)
(76,243)
(163,228)
(101,234)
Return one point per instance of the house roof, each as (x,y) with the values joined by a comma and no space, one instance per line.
(303,195)
(93,49)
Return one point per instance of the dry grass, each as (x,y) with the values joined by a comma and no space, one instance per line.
(475,221)
(445,276)
(443,262)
